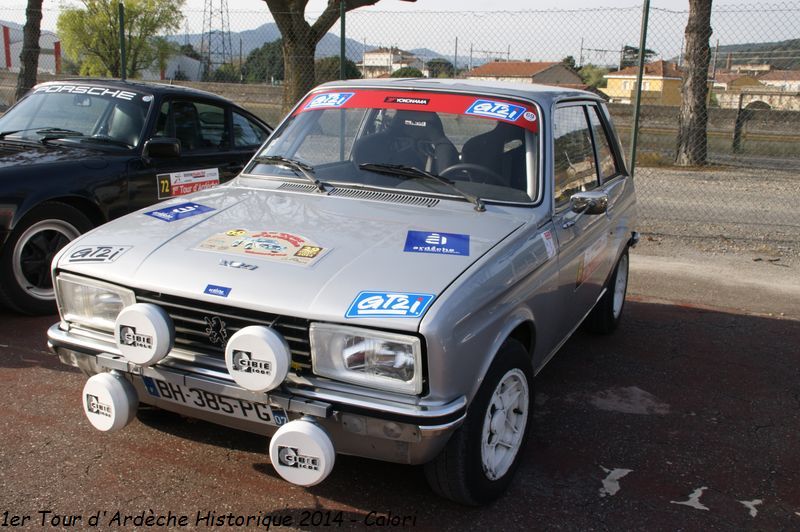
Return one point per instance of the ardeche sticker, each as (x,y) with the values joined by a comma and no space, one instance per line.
(437,243)
(389,305)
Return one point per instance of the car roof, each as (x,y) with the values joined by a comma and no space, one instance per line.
(544,95)
(156,89)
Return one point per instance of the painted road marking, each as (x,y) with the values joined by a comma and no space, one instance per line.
(694,499)
(751,505)
(611,482)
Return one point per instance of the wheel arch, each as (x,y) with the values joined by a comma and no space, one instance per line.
(87,207)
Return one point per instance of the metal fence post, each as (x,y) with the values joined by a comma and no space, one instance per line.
(123,66)
(637,104)
(342,11)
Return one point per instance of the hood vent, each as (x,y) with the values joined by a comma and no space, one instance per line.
(373,195)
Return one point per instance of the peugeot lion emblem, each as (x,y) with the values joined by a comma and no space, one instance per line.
(216,331)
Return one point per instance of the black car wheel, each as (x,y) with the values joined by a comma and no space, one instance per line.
(477,464)
(26,256)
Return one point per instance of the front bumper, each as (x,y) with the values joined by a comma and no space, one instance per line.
(358,425)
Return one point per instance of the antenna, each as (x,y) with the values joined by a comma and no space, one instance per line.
(215,43)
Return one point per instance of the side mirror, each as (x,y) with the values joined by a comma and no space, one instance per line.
(590,202)
(162,147)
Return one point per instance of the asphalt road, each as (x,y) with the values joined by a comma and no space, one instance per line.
(685,418)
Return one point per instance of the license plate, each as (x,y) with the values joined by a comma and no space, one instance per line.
(200,399)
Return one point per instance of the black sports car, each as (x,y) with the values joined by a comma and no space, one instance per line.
(75,154)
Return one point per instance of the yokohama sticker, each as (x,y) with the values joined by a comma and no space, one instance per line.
(180,183)
(271,245)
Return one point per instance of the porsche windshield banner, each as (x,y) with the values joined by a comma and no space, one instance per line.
(518,113)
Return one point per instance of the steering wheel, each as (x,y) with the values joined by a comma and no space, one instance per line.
(467,168)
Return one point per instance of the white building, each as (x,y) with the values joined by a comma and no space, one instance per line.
(178,66)
(11,48)
(383,62)
(786,80)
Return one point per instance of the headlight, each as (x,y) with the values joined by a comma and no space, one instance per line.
(374,359)
(91,303)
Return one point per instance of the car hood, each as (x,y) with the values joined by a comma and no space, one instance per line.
(222,247)
(17,154)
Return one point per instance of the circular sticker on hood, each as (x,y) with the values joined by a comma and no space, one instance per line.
(109,401)
(302,452)
(258,358)
(144,333)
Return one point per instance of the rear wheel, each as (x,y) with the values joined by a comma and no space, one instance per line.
(478,463)
(606,315)
(26,256)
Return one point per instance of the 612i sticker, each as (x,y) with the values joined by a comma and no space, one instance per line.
(96,254)
(389,305)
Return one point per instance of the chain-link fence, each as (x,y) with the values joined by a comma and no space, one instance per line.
(746,191)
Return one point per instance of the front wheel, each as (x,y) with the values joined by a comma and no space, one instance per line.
(25,260)
(478,463)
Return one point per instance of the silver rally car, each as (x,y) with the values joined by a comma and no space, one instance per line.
(384,279)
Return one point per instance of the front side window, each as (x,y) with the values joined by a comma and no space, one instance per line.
(487,147)
(605,158)
(83,114)
(246,132)
(573,158)
(198,125)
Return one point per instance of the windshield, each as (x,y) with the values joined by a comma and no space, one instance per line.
(486,147)
(78,113)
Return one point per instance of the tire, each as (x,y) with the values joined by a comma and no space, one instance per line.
(606,315)
(27,286)
(469,470)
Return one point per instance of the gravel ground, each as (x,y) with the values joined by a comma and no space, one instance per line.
(721,211)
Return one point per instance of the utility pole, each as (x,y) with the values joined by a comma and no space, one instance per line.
(342,11)
(580,57)
(455,60)
(470,56)
(637,102)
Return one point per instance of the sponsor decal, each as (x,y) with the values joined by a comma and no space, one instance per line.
(129,336)
(291,457)
(437,243)
(216,330)
(179,212)
(529,116)
(591,259)
(97,254)
(497,110)
(243,361)
(94,406)
(237,264)
(181,183)
(388,305)
(215,290)
(276,246)
(415,123)
(88,89)
(406,100)
(331,99)
(549,245)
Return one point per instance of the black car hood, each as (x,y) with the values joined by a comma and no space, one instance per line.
(13,154)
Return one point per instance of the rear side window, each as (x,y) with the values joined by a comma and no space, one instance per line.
(574,163)
(605,159)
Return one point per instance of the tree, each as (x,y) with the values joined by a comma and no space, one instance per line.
(300,40)
(227,73)
(327,69)
(90,35)
(264,64)
(440,68)
(189,51)
(29,57)
(407,72)
(569,62)
(693,117)
(593,76)
(164,50)
(630,56)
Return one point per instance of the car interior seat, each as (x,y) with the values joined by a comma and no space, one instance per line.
(125,123)
(501,150)
(413,138)
(187,125)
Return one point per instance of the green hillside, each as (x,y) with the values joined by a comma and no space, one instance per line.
(783,55)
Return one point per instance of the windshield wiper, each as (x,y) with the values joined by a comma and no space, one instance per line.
(413,172)
(107,140)
(299,167)
(42,131)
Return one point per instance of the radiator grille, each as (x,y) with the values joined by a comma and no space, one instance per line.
(204,328)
